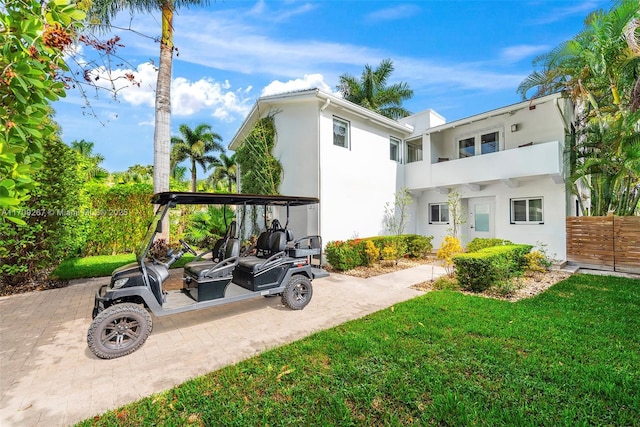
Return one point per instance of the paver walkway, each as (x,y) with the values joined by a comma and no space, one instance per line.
(49,377)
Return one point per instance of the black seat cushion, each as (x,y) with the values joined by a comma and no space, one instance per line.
(211,269)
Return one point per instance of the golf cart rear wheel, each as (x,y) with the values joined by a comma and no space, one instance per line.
(119,330)
(297,292)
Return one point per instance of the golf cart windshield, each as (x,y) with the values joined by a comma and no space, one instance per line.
(146,243)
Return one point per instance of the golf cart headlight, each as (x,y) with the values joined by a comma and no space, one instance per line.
(120,283)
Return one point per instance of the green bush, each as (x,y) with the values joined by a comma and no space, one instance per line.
(120,216)
(418,246)
(480,243)
(345,255)
(53,227)
(477,271)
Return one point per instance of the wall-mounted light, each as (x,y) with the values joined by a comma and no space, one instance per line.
(515,127)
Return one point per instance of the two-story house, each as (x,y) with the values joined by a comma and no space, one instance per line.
(506,165)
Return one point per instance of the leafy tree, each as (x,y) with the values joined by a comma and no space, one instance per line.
(396,219)
(261,172)
(53,223)
(195,146)
(103,11)
(134,174)
(599,70)
(371,90)
(225,170)
(457,216)
(33,36)
(89,162)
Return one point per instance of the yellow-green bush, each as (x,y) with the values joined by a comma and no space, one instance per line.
(477,271)
(449,248)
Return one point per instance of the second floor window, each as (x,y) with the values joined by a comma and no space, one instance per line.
(414,150)
(483,143)
(340,132)
(467,147)
(394,149)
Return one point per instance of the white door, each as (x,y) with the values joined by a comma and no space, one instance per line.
(481,218)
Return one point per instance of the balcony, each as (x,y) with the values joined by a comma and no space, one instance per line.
(507,166)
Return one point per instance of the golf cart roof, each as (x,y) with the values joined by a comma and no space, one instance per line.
(184,198)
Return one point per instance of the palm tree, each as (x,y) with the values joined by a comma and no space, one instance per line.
(598,69)
(225,170)
(103,11)
(195,145)
(89,161)
(371,91)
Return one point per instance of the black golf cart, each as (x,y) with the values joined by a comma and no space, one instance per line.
(279,265)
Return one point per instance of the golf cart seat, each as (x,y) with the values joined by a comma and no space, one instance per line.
(205,270)
(307,246)
(218,252)
(263,271)
(211,278)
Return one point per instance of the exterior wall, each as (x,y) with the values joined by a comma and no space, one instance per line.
(552,232)
(356,182)
(296,149)
(423,120)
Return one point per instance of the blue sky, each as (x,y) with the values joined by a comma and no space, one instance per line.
(460,57)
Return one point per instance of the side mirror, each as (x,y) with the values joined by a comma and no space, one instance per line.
(159,227)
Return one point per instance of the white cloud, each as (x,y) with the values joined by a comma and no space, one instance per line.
(137,87)
(393,13)
(513,54)
(559,13)
(189,98)
(281,14)
(309,81)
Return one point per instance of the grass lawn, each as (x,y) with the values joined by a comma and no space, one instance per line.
(568,357)
(101,265)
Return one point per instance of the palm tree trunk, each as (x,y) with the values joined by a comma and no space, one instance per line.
(162,133)
(194,176)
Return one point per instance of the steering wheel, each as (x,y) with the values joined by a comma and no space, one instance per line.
(187,248)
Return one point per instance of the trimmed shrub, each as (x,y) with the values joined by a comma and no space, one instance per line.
(418,246)
(477,271)
(345,255)
(480,243)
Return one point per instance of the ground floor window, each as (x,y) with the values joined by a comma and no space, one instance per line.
(527,210)
(439,213)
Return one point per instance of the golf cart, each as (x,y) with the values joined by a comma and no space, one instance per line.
(279,265)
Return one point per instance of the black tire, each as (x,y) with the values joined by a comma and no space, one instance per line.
(119,330)
(297,292)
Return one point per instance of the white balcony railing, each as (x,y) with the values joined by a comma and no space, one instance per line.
(534,160)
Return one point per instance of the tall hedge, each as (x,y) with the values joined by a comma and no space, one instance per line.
(52,229)
(119,218)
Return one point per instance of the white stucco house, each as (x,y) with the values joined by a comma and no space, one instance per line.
(506,164)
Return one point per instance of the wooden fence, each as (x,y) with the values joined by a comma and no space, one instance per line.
(605,242)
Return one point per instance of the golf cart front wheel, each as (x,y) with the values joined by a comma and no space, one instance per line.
(297,292)
(119,330)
